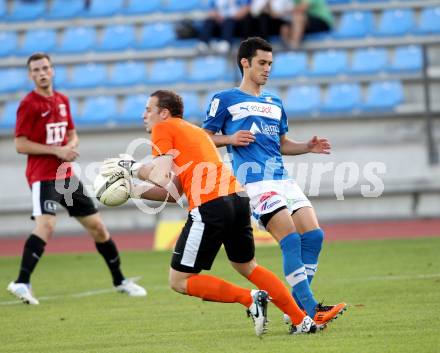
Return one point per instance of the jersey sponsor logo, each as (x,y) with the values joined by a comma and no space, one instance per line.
(255,129)
(46,113)
(214,106)
(269,201)
(55,132)
(63,110)
(244,109)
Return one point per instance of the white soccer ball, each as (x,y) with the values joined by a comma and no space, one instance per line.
(112,194)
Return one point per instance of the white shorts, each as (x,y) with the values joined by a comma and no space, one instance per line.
(269,195)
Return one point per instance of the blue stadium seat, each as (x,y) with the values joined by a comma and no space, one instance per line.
(396,22)
(383,96)
(26,10)
(12,80)
(132,109)
(192,110)
(167,71)
(98,110)
(88,75)
(156,35)
(181,6)
(429,22)
(329,63)
(289,64)
(342,98)
(128,74)
(77,40)
(2,8)
(407,59)
(355,24)
(9,42)
(142,7)
(337,2)
(61,76)
(209,68)
(302,100)
(9,115)
(104,8)
(119,37)
(65,9)
(373,0)
(369,61)
(74,112)
(38,40)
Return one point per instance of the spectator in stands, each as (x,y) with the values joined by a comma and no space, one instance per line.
(308,16)
(269,16)
(46,134)
(226,19)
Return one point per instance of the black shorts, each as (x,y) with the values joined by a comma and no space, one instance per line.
(45,198)
(316,25)
(225,220)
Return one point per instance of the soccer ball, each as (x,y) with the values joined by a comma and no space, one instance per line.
(112,194)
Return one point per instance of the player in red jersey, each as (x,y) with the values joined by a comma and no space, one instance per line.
(46,133)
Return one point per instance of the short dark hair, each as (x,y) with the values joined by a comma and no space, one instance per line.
(38,56)
(248,49)
(169,100)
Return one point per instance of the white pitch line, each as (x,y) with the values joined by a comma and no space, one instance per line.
(389,278)
(73,295)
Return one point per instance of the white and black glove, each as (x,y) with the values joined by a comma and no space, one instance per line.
(123,167)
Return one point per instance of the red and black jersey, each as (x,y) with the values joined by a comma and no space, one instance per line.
(44,120)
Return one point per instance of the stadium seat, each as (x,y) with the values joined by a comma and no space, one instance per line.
(65,9)
(355,24)
(369,61)
(429,21)
(61,76)
(383,96)
(98,110)
(289,64)
(9,115)
(372,0)
(342,98)
(329,63)
(2,8)
(209,68)
(9,42)
(74,112)
(396,22)
(119,37)
(132,109)
(156,35)
(407,59)
(88,75)
(26,10)
(142,7)
(302,100)
(337,2)
(38,40)
(169,71)
(128,73)
(181,6)
(77,40)
(192,110)
(12,80)
(104,8)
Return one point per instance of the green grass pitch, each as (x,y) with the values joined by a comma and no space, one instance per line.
(392,288)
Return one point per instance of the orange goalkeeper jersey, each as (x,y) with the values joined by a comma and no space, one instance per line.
(197,162)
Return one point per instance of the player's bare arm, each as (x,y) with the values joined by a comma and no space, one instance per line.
(72,138)
(240,138)
(314,145)
(25,146)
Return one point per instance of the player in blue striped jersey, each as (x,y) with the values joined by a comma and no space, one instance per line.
(254,124)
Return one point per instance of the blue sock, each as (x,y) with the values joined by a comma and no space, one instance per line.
(295,273)
(311,244)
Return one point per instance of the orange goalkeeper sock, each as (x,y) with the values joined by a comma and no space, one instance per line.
(281,297)
(217,290)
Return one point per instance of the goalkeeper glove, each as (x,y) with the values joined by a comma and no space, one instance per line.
(123,167)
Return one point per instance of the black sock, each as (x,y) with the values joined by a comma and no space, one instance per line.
(32,252)
(110,254)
